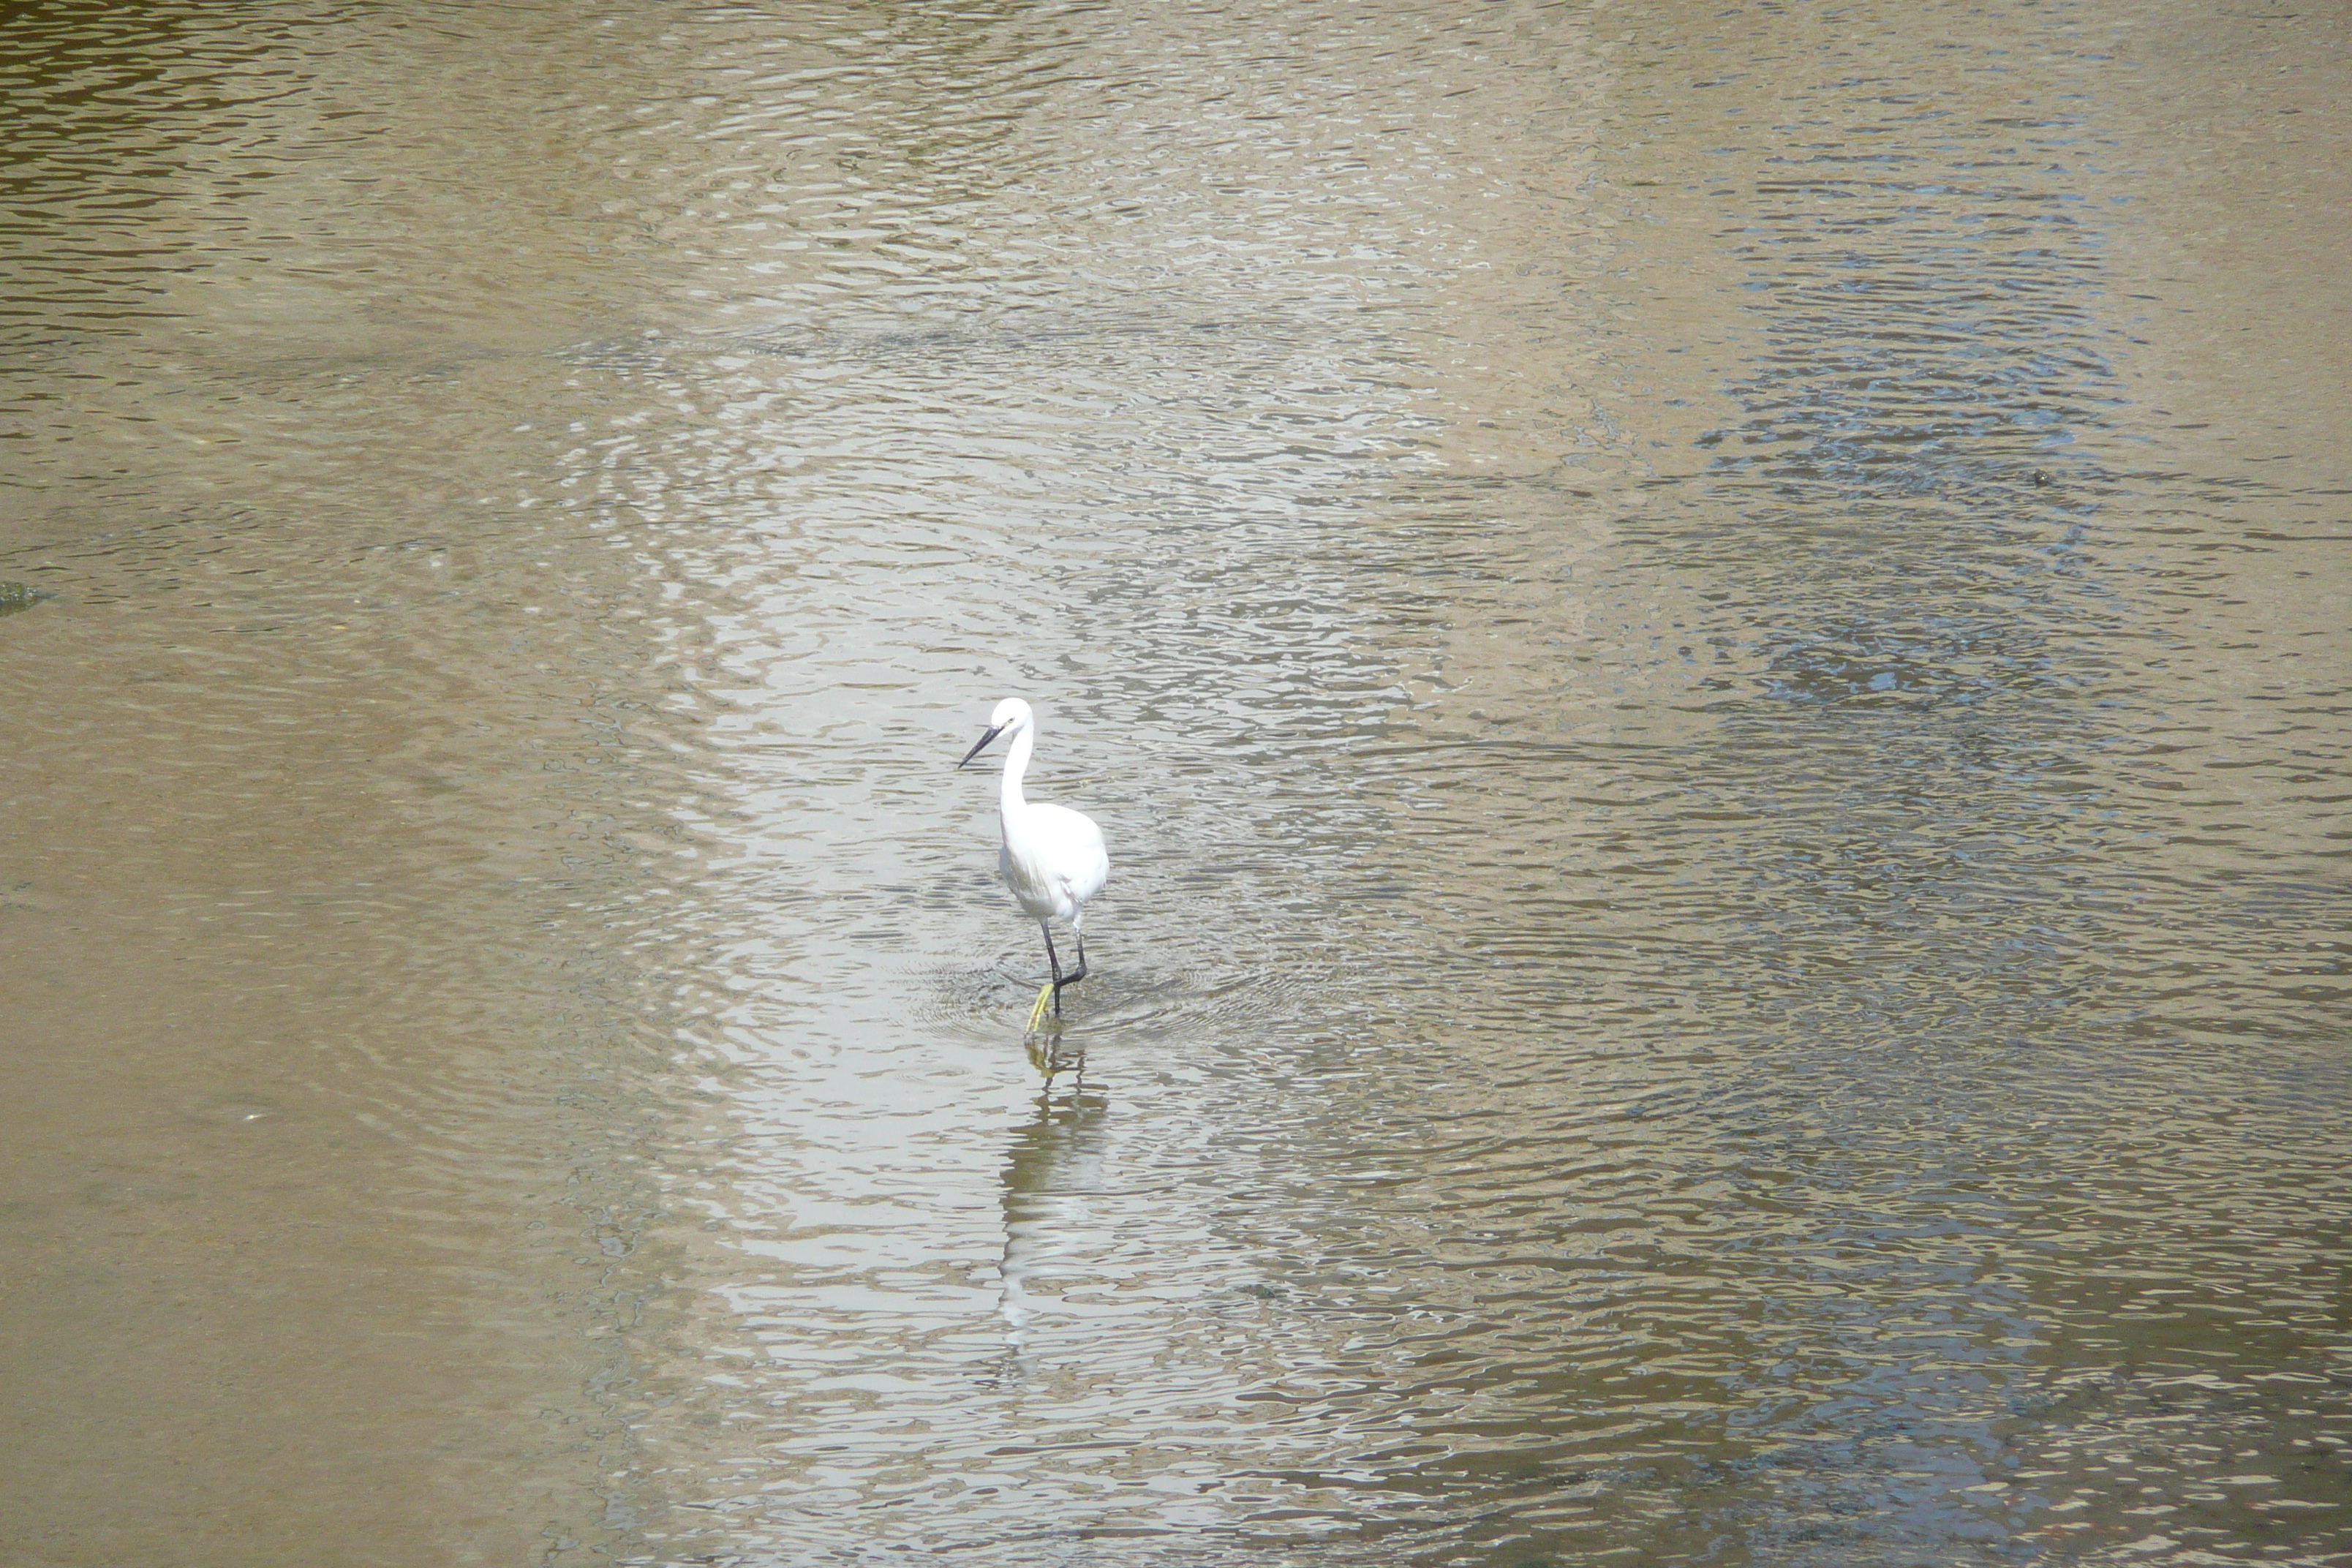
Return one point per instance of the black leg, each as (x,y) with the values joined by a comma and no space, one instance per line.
(1054,961)
(1061,979)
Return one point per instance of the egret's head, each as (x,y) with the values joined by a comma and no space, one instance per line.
(1012,717)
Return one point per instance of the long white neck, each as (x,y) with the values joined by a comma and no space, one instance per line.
(1009,802)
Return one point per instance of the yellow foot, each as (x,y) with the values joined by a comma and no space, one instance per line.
(1037,1014)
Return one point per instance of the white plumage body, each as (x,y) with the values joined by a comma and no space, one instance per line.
(1051,857)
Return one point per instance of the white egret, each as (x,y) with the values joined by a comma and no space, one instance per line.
(1051,857)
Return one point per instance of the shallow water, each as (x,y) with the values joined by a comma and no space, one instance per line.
(1709,648)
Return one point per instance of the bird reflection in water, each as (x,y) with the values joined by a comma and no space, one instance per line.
(1052,1171)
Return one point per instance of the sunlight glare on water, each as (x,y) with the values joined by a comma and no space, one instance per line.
(1617,1023)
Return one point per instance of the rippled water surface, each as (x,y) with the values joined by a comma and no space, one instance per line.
(1710,643)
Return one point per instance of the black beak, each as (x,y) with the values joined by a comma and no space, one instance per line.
(982,744)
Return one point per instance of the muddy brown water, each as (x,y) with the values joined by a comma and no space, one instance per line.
(1711,643)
